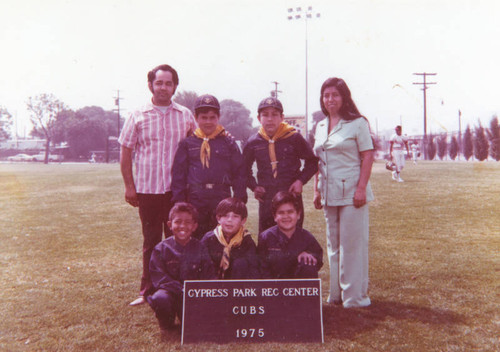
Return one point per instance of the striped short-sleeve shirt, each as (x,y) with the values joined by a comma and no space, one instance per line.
(155,135)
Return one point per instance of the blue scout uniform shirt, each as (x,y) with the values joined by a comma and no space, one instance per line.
(340,161)
(278,253)
(246,251)
(226,169)
(172,263)
(289,153)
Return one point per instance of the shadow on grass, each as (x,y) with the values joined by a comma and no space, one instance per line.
(343,323)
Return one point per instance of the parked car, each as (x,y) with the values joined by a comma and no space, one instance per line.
(52,157)
(20,157)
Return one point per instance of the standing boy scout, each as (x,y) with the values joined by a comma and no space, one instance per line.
(207,165)
(278,150)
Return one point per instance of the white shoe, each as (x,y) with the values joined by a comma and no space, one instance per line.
(138,301)
(400,179)
(394,175)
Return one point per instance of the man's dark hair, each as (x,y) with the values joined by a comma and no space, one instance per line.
(182,207)
(152,73)
(283,197)
(231,205)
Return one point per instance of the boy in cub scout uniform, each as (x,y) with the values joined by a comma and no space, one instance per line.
(207,165)
(278,150)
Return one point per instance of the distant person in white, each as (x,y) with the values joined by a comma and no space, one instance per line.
(414,152)
(398,142)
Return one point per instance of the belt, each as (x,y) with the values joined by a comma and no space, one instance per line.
(213,186)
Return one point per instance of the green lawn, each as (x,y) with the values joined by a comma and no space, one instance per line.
(70,261)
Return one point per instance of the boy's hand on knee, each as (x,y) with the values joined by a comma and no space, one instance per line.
(307,258)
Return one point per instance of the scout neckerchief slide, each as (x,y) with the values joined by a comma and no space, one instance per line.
(234,242)
(284,131)
(205,147)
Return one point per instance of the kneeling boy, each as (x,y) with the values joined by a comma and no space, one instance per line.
(177,258)
(230,245)
(286,250)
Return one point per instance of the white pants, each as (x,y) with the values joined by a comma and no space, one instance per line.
(398,157)
(347,245)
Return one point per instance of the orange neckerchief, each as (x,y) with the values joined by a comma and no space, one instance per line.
(234,242)
(284,131)
(205,147)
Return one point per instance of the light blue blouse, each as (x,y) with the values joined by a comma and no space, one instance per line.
(340,159)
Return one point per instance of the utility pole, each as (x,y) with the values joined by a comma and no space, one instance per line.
(459,133)
(424,89)
(117,103)
(274,93)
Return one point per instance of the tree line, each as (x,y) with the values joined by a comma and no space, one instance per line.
(89,128)
(478,143)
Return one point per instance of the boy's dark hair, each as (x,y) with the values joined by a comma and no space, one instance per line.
(183,207)
(231,205)
(283,197)
(204,110)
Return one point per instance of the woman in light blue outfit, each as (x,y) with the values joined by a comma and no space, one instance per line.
(345,148)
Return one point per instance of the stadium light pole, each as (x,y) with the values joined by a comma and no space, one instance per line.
(297,14)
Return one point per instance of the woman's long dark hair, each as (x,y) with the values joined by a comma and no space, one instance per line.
(348,110)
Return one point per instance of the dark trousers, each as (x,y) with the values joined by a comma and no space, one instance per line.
(166,306)
(266,218)
(205,201)
(153,211)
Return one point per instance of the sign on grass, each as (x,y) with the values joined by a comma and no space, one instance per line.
(224,311)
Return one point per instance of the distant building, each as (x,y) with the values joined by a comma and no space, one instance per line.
(297,121)
(23,144)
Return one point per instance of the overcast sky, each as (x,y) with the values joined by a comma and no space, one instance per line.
(84,51)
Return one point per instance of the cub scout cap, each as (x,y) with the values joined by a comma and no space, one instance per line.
(270,103)
(206,101)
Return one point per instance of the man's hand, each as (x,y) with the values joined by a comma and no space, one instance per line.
(131,196)
(259,192)
(296,188)
(307,258)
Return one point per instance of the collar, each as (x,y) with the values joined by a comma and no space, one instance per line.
(150,107)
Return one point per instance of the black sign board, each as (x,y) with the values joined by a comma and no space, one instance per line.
(225,311)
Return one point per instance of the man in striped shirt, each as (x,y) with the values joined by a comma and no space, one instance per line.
(153,133)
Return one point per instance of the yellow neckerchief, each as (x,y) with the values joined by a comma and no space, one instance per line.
(205,147)
(284,131)
(234,242)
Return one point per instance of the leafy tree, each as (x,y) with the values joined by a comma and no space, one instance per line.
(453,149)
(44,109)
(187,99)
(235,118)
(431,147)
(481,144)
(442,146)
(494,137)
(86,129)
(467,144)
(5,123)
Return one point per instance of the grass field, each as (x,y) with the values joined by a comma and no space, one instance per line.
(70,261)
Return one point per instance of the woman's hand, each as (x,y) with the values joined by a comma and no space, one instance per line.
(317,200)
(359,197)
